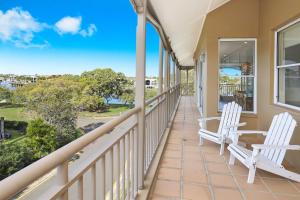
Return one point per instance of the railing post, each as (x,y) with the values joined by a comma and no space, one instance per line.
(62,178)
(140,87)
(160,71)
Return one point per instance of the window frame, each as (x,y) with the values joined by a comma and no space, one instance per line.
(277,67)
(254,112)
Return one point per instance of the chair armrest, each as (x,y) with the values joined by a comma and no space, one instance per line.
(248,132)
(235,125)
(285,147)
(208,119)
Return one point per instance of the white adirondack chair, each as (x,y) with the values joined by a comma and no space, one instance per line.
(229,121)
(268,156)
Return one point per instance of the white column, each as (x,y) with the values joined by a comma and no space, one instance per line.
(174,73)
(160,71)
(166,60)
(140,88)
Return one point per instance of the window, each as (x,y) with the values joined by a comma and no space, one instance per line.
(237,73)
(287,69)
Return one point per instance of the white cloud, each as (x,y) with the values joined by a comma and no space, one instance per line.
(72,25)
(89,32)
(68,25)
(19,27)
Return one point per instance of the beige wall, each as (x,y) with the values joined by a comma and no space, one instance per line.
(273,15)
(249,19)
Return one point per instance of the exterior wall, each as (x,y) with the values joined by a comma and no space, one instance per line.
(250,19)
(273,15)
(227,21)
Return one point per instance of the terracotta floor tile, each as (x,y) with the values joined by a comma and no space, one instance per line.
(280,186)
(297,185)
(258,185)
(288,197)
(169,174)
(192,149)
(174,147)
(193,165)
(171,163)
(218,168)
(167,188)
(221,180)
(214,158)
(226,194)
(196,192)
(192,156)
(250,195)
(162,198)
(196,176)
(172,154)
(239,169)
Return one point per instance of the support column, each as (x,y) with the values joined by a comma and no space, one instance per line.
(166,60)
(140,88)
(174,74)
(187,82)
(160,70)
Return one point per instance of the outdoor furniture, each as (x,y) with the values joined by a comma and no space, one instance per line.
(268,156)
(229,121)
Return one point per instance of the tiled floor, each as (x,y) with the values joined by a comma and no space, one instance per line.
(188,171)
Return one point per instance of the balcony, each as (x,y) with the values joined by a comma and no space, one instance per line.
(152,151)
(188,171)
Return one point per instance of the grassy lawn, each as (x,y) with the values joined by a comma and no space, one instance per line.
(14,113)
(114,110)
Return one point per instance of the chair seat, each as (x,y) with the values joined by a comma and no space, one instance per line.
(246,155)
(210,135)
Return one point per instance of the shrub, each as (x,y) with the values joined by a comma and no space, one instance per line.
(14,157)
(42,137)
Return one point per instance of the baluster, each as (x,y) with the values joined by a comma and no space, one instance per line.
(135,160)
(62,178)
(109,173)
(102,178)
(93,174)
(116,168)
(80,188)
(122,169)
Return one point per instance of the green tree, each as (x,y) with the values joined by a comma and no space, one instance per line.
(41,137)
(54,101)
(105,83)
(14,157)
(5,94)
(92,103)
(128,97)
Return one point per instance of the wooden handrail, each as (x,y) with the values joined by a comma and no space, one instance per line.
(20,180)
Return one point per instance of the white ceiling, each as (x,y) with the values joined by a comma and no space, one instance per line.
(182,21)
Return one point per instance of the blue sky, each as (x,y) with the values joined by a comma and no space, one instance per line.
(64,36)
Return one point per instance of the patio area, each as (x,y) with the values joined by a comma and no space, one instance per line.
(188,171)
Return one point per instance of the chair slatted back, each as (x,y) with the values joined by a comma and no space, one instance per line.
(279,134)
(230,116)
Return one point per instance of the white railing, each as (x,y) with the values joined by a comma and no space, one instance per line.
(108,164)
(158,115)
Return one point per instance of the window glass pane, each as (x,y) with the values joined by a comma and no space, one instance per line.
(289,45)
(289,85)
(238,89)
(238,54)
(237,75)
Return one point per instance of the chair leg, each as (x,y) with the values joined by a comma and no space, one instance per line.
(222,148)
(251,175)
(201,141)
(231,159)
